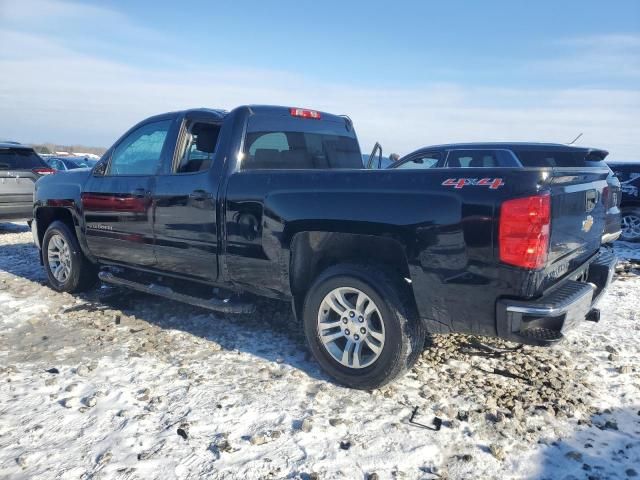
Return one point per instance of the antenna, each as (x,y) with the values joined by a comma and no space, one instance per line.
(575,139)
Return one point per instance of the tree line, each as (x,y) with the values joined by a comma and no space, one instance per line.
(48,148)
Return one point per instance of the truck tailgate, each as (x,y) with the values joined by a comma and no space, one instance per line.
(578,218)
(577,182)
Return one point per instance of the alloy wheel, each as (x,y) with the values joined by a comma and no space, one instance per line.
(59,257)
(630,227)
(350,327)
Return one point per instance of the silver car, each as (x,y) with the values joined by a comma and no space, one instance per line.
(20,168)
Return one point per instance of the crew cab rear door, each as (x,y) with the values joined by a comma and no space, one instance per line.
(117,197)
(184,200)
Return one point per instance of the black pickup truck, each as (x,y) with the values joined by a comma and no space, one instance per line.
(275,201)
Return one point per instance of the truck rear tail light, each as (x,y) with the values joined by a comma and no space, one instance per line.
(524,231)
(43,170)
(304,113)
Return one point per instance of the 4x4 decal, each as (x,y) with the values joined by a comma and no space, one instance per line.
(492,183)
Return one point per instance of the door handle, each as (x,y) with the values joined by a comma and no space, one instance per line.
(200,195)
(139,193)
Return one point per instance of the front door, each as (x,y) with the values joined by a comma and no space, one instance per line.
(117,198)
(184,201)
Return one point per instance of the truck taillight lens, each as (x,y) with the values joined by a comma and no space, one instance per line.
(524,231)
(43,171)
(304,113)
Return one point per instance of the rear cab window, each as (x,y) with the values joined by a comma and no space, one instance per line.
(19,159)
(287,142)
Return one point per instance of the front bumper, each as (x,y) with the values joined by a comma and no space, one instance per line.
(545,320)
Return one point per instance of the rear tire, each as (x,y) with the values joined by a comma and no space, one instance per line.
(630,224)
(67,268)
(382,334)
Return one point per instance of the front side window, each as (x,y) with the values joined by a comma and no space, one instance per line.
(139,153)
(427,160)
(288,149)
(198,147)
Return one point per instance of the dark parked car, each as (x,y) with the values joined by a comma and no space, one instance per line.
(629,175)
(275,201)
(522,155)
(20,167)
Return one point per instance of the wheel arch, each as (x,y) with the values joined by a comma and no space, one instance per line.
(46,215)
(312,252)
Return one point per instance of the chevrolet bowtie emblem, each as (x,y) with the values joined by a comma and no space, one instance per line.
(587,223)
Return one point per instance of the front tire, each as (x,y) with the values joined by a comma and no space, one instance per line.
(361,326)
(630,224)
(68,270)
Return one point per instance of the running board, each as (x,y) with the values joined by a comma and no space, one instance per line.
(219,305)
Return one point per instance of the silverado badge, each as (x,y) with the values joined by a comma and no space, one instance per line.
(587,223)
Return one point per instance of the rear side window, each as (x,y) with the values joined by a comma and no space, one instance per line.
(19,159)
(300,144)
(480,159)
(198,147)
(559,158)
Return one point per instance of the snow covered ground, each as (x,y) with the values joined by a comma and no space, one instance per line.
(115,384)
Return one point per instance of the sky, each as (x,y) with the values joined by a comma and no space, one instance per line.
(409,73)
